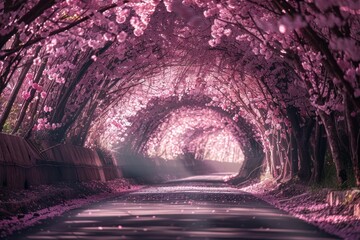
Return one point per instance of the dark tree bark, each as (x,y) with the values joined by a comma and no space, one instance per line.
(85,130)
(319,152)
(353,132)
(302,136)
(294,155)
(29,17)
(286,156)
(64,98)
(11,65)
(58,135)
(27,102)
(16,90)
(33,110)
(335,148)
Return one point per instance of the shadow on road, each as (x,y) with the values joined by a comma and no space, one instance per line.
(193,208)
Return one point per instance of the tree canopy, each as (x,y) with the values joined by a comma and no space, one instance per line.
(91,72)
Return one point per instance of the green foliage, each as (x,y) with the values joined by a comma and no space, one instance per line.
(7,127)
(11,120)
(329,178)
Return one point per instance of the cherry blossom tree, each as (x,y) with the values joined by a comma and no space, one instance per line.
(90,72)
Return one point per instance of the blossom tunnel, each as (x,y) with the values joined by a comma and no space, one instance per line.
(190,128)
(276,83)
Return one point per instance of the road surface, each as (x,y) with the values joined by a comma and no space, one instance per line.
(194,208)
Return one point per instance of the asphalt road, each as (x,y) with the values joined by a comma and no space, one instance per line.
(195,208)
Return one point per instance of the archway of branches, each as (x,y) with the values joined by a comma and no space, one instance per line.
(172,127)
(81,72)
(196,131)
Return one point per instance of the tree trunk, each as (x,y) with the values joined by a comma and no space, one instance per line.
(304,163)
(59,111)
(268,159)
(28,101)
(33,110)
(273,161)
(16,90)
(353,131)
(319,152)
(86,123)
(333,140)
(294,155)
(302,137)
(286,155)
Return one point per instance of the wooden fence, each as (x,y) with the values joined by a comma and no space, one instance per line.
(22,164)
